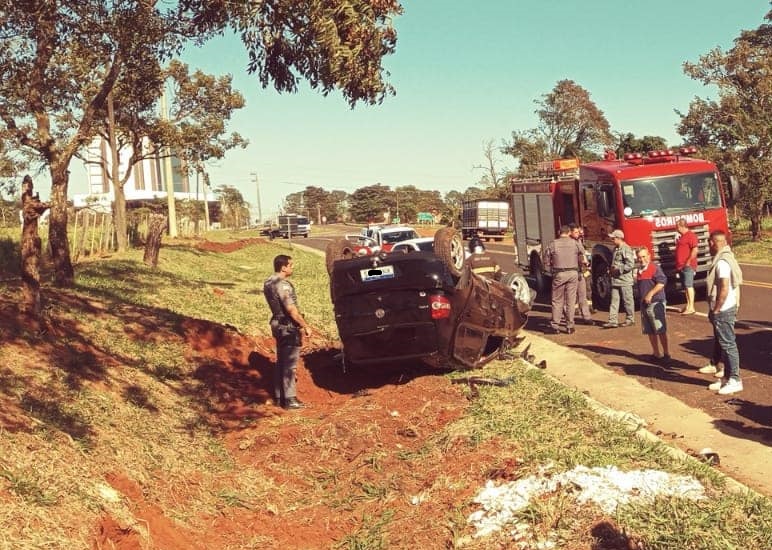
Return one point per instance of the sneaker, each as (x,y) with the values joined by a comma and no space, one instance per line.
(720,374)
(734,385)
(610,325)
(293,403)
(628,323)
(710,368)
(717,385)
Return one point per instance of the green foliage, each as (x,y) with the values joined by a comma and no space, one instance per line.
(734,130)
(628,143)
(333,44)
(316,202)
(370,203)
(570,125)
(235,210)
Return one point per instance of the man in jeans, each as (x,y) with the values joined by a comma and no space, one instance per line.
(621,271)
(686,250)
(724,280)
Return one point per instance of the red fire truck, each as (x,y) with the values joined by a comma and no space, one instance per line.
(643,195)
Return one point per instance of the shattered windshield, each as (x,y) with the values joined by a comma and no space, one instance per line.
(670,194)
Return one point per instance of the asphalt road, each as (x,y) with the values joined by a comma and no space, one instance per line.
(626,350)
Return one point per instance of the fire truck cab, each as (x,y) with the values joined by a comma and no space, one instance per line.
(644,196)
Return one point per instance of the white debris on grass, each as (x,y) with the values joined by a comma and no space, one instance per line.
(605,487)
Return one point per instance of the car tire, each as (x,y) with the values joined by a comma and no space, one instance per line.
(449,247)
(519,286)
(338,249)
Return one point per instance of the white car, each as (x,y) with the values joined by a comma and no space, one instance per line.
(421,244)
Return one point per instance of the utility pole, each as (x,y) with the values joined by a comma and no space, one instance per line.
(168,174)
(257,188)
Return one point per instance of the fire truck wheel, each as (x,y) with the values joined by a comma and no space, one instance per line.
(338,249)
(537,273)
(601,283)
(450,248)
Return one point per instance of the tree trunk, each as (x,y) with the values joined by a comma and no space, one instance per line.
(756,227)
(32,209)
(64,275)
(156,228)
(119,217)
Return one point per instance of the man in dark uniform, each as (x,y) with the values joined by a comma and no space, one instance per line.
(583,284)
(476,243)
(563,256)
(484,264)
(286,324)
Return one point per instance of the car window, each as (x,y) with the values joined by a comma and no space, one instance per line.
(396,236)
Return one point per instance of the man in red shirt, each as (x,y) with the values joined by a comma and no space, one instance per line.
(686,249)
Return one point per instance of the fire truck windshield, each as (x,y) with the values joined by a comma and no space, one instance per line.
(670,194)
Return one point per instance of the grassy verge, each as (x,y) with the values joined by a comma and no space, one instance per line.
(115,391)
(544,423)
(748,250)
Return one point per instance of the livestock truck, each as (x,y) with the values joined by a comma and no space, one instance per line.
(643,195)
(489,216)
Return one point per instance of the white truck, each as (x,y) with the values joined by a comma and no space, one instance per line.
(491,217)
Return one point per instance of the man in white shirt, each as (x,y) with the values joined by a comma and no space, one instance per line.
(724,280)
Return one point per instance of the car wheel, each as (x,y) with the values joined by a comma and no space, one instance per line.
(519,286)
(601,283)
(338,249)
(450,248)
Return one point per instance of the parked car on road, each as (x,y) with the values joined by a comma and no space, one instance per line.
(377,238)
(421,244)
(423,305)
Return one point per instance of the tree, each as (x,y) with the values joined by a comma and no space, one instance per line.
(739,124)
(570,125)
(407,201)
(194,131)
(493,179)
(235,211)
(339,202)
(370,203)
(59,62)
(628,143)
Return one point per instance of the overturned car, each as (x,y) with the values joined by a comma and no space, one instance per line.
(423,305)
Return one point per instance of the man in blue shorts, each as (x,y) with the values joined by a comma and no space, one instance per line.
(651,288)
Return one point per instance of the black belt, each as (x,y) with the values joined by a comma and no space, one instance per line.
(562,269)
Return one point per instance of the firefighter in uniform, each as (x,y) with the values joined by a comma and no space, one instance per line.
(563,256)
(482,263)
(286,325)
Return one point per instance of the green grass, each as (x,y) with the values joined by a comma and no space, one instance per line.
(748,250)
(548,423)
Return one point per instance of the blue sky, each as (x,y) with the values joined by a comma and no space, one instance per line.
(468,72)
